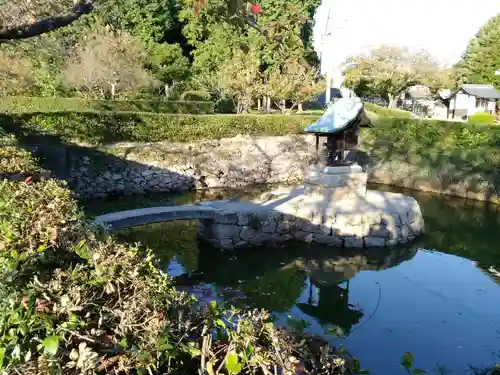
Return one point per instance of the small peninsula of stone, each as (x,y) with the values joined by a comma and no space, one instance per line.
(332,208)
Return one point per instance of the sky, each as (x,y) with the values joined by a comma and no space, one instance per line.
(443,27)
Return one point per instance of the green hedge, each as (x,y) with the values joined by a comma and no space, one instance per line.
(387,113)
(146,127)
(411,134)
(482,118)
(400,135)
(19,104)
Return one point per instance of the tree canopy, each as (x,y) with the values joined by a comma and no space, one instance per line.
(67,48)
(482,57)
(388,71)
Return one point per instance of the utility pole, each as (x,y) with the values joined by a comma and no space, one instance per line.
(326,35)
(328,49)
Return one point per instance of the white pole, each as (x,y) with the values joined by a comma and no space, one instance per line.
(328,98)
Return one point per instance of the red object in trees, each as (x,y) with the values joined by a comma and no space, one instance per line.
(307,89)
(198,5)
(255,8)
(28,179)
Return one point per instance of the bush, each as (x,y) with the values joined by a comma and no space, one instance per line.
(408,134)
(98,128)
(13,159)
(19,104)
(75,301)
(195,95)
(387,113)
(482,118)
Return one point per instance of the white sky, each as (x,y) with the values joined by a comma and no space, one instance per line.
(443,27)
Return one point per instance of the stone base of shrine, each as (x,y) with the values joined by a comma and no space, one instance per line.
(335,183)
(365,219)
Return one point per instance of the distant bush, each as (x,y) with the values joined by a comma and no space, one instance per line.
(403,136)
(98,128)
(386,113)
(14,159)
(196,95)
(20,104)
(482,118)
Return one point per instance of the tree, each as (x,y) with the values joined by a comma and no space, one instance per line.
(482,57)
(390,70)
(240,78)
(15,71)
(284,31)
(21,19)
(108,62)
(439,79)
(293,82)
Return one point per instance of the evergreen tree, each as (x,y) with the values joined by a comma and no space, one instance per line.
(482,57)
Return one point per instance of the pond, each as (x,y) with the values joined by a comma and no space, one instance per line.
(438,298)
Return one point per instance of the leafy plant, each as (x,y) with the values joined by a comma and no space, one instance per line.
(407,363)
(482,118)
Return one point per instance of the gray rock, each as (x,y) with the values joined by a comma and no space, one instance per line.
(277,238)
(226,244)
(328,240)
(283,228)
(243,219)
(379,231)
(241,245)
(117,177)
(248,233)
(303,236)
(226,217)
(222,231)
(147,173)
(353,242)
(374,242)
(260,239)
(269,227)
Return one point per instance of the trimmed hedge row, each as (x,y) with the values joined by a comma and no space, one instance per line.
(19,104)
(387,113)
(97,128)
(409,134)
(402,134)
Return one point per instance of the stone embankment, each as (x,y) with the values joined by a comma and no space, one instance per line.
(129,168)
(139,168)
(376,220)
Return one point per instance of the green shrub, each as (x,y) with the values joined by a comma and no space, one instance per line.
(387,113)
(75,301)
(145,127)
(13,159)
(482,118)
(19,104)
(195,95)
(405,135)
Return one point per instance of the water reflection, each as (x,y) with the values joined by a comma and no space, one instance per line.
(273,279)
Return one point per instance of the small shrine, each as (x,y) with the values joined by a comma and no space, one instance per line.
(340,127)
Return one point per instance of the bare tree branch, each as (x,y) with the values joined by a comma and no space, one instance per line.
(47,24)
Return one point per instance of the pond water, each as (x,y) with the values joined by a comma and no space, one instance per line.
(434,298)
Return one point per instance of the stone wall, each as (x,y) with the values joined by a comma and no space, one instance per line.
(239,229)
(134,168)
(129,168)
